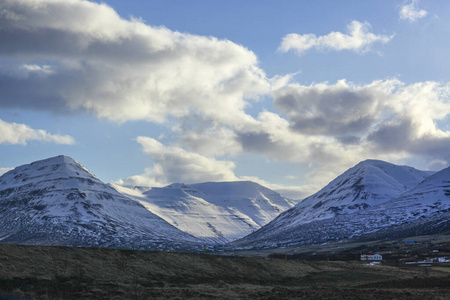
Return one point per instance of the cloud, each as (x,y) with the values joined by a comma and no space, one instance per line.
(210,141)
(13,133)
(358,39)
(82,56)
(400,121)
(332,127)
(65,56)
(174,164)
(418,108)
(331,110)
(4,170)
(411,12)
(383,117)
(274,138)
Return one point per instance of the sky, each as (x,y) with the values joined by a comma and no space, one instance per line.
(288,94)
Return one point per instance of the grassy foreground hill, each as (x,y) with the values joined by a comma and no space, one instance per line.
(38,272)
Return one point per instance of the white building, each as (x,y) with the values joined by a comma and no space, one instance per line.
(371,256)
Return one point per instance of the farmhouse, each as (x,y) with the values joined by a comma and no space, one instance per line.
(371,256)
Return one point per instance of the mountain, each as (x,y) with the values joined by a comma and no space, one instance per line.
(425,208)
(369,185)
(57,201)
(216,212)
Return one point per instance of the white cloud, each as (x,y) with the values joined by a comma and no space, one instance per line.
(346,109)
(13,133)
(82,56)
(400,122)
(359,39)
(211,141)
(93,60)
(43,70)
(334,126)
(4,170)
(331,127)
(174,164)
(411,12)
(332,110)
(383,117)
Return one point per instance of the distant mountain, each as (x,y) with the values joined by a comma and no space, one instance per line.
(428,202)
(217,212)
(57,201)
(369,185)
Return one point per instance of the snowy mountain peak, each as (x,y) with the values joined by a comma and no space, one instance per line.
(404,175)
(387,207)
(60,160)
(367,184)
(48,169)
(214,211)
(57,201)
(373,162)
(433,192)
(441,178)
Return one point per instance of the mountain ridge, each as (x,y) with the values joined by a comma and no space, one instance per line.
(368,183)
(57,201)
(217,212)
(425,209)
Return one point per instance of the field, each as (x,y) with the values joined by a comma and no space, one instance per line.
(37,272)
(416,244)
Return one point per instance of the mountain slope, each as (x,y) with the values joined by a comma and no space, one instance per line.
(427,202)
(369,183)
(59,202)
(214,211)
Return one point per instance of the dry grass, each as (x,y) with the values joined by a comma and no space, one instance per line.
(38,272)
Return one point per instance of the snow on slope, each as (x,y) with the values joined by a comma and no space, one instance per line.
(424,209)
(57,201)
(369,183)
(214,211)
(429,197)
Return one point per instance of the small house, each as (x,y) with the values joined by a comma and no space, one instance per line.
(371,256)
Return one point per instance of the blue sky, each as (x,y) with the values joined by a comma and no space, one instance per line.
(286,93)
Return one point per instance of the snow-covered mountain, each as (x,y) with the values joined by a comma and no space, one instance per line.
(427,203)
(57,201)
(367,184)
(214,211)
(429,200)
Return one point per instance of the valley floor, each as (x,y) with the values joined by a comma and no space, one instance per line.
(37,272)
